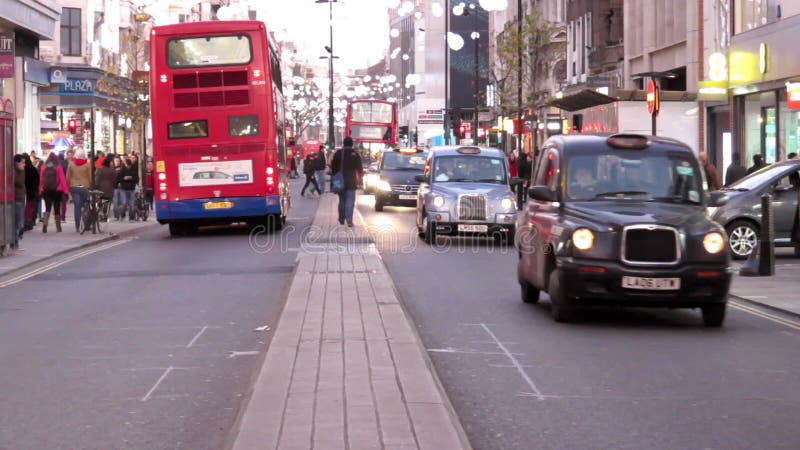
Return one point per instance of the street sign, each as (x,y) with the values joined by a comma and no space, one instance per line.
(653,97)
(430,116)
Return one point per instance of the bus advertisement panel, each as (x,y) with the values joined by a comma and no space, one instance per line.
(218,125)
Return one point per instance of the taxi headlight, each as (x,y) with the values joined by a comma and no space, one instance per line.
(438,201)
(583,238)
(371,178)
(711,210)
(507,203)
(714,242)
(384,185)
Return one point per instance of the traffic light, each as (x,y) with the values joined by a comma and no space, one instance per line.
(403,133)
(72,125)
(52,113)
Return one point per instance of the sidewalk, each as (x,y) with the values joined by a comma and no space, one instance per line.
(346,369)
(36,246)
(780,291)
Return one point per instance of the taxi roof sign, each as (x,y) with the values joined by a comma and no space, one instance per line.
(623,140)
(469,150)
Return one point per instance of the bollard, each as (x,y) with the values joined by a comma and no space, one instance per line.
(766,260)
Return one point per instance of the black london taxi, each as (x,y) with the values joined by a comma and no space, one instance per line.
(621,220)
(396,184)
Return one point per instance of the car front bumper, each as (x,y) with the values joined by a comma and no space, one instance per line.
(394,198)
(594,281)
(503,223)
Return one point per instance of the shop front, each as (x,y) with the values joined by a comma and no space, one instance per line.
(766,92)
(89,109)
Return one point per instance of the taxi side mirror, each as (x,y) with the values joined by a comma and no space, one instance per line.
(515,181)
(421,178)
(717,199)
(542,193)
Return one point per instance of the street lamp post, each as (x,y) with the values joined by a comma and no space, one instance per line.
(329,49)
(519,77)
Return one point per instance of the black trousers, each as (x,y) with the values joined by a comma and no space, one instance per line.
(52,198)
(310,179)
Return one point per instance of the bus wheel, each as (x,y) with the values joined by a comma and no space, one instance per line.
(176,230)
(274,222)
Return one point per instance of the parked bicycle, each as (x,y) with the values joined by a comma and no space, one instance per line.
(141,206)
(94,207)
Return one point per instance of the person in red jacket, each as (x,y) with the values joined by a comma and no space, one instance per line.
(53,187)
(149,184)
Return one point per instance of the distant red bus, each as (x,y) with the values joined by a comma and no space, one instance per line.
(372,121)
(219,142)
(310,146)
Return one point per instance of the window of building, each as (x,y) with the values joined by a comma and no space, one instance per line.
(751,14)
(71,31)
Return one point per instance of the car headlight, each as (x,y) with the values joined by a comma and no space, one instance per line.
(438,201)
(583,238)
(507,203)
(711,210)
(384,185)
(714,242)
(371,178)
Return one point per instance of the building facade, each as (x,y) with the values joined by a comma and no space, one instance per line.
(23,25)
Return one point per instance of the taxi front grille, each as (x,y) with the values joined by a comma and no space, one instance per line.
(650,245)
(405,188)
(472,207)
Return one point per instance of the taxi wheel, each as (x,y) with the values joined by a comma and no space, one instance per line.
(378,205)
(506,238)
(560,308)
(529,293)
(714,315)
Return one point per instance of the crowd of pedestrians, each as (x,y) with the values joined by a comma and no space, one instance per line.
(67,176)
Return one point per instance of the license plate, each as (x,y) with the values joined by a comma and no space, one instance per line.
(474,228)
(218,205)
(651,284)
(408,197)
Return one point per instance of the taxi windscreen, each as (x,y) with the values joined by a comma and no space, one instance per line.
(403,161)
(469,169)
(634,175)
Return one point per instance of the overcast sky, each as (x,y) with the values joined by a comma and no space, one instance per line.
(360,28)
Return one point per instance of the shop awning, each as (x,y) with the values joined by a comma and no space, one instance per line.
(586,98)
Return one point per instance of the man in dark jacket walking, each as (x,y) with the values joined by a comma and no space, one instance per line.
(127,179)
(321,166)
(758,162)
(348,161)
(19,199)
(309,169)
(735,172)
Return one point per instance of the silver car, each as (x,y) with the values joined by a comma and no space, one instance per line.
(466,191)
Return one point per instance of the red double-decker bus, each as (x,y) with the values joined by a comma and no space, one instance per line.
(372,121)
(219,142)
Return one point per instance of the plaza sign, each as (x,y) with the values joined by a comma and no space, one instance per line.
(77,86)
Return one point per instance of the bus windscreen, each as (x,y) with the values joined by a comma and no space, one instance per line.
(209,51)
(371,112)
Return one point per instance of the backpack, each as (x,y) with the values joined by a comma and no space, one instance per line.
(50,178)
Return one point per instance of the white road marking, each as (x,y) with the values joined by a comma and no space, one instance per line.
(536,392)
(196,336)
(765,315)
(155,386)
(53,265)
(466,351)
(233,354)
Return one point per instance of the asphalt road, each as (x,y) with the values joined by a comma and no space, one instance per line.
(616,379)
(148,344)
